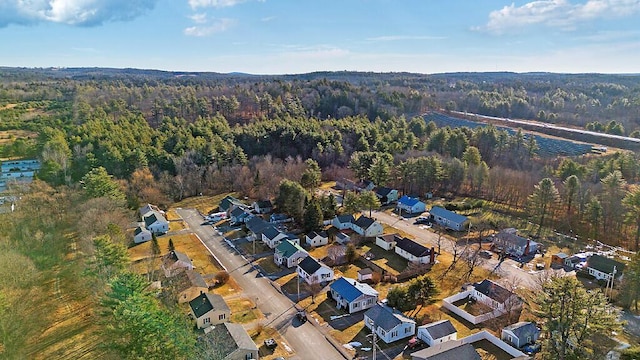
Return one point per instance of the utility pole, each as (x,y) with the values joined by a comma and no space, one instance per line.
(298,282)
(613,275)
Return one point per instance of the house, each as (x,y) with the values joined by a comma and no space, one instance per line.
(229,203)
(228,342)
(346,184)
(175,262)
(186,285)
(352,295)
(511,243)
(365,274)
(415,252)
(365,185)
(262,206)
(386,195)
(239,216)
(559,258)
(387,241)
(410,205)
(576,261)
(603,268)
(141,234)
(389,325)
(289,254)
(256,225)
(147,209)
(313,271)
(209,309)
(316,239)
(156,223)
(272,236)
(463,349)
(448,350)
(521,334)
(342,238)
(448,219)
(495,296)
(437,332)
(367,227)
(280,218)
(343,222)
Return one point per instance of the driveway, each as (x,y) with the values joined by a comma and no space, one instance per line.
(305,340)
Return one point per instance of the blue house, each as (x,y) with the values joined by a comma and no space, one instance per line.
(411,205)
(448,219)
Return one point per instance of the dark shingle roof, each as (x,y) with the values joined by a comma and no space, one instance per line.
(263,204)
(412,247)
(225,339)
(493,290)
(152,218)
(237,212)
(309,265)
(448,350)
(439,329)
(256,224)
(523,329)
(444,213)
(207,302)
(364,222)
(314,234)
(271,232)
(389,237)
(138,230)
(385,317)
(605,265)
(383,191)
(343,219)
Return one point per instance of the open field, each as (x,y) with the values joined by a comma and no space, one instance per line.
(204,204)
(8,136)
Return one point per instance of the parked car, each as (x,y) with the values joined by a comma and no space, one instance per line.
(301,316)
(532,349)
(270,343)
(422,221)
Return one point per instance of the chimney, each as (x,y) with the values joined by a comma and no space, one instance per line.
(526,249)
(432,256)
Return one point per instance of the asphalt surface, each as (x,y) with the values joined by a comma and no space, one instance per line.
(509,269)
(306,341)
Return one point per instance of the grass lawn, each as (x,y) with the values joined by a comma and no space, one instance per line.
(259,334)
(185,243)
(204,204)
(243,311)
(247,247)
(291,286)
(285,279)
(387,260)
(235,234)
(356,332)
(177,225)
(229,288)
(268,265)
(172,215)
(320,252)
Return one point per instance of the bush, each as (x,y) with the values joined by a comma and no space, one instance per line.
(222,277)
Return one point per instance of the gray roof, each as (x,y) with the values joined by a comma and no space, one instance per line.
(271,232)
(605,265)
(450,215)
(257,224)
(178,256)
(207,302)
(510,237)
(314,234)
(439,329)
(139,230)
(385,317)
(309,265)
(412,247)
(196,279)
(448,350)
(153,217)
(364,222)
(523,329)
(240,336)
(224,339)
(493,290)
(343,219)
(238,212)
(383,191)
(389,237)
(262,204)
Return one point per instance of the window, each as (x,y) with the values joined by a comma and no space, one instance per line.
(370,301)
(206,321)
(221,316)
(355,305)
(406,330)
(394,333)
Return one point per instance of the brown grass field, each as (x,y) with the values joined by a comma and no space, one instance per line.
(204,204)
(8,136)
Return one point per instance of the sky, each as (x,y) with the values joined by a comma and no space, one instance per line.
(300,36)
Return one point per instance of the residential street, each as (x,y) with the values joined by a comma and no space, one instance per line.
(306,340)
(508,268)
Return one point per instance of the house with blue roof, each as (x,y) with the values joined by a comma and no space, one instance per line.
(410,205)
(448,219)
(353,296)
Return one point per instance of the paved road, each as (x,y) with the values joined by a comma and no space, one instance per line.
(305,340)
(508,268)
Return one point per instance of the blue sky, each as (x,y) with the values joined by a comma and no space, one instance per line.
(297,36)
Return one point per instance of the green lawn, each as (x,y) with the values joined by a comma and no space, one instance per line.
(387,260)
(268,265)
(260,247)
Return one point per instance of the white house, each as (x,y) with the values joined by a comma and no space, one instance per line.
(239,216)
(273,237)
(342,238)
(511,243)
(175,262)
(495,296)
(520,334)
(367,227)
(148,208)
(262,206)
(414,252)
(448,219)
(387,195)
(603,268)
(352,295)
(156,223)
(289,254)
(316,239)
(388,324)
(411,205)
(141,234)
(209,309)
(343,222)
(437,332)
(387,241)
(314,272)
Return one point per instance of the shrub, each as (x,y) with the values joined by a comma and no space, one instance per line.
(222,277)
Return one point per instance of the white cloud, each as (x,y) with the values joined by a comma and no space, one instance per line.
(199,18)
(405,37)
(209,28)
(268,18)
(195,4)
(71,12)
(557,13)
